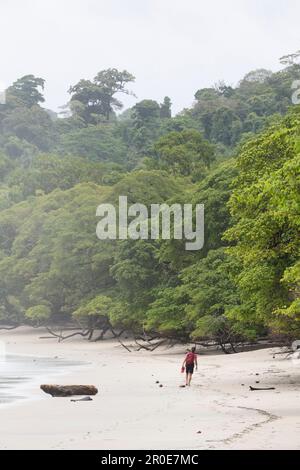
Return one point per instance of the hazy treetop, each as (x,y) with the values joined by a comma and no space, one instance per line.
(171,47)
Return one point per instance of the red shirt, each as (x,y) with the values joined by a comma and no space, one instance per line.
(190,358)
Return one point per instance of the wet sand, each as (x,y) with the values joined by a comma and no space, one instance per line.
(21,374)
(131,411)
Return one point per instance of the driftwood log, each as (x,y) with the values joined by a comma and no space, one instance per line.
(69,390)
(261,388)
(82,399)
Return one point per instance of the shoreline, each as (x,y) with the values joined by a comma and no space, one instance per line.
(132,412)
(27,388)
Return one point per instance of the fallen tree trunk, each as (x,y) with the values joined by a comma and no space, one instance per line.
(62,338)
(261,388)
(8,328)
(68,390)
(149,348)
(124,345)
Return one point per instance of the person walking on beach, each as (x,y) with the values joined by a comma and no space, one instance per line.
(188,364)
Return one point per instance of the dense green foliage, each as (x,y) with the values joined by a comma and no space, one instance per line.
(236,150)
(265,206)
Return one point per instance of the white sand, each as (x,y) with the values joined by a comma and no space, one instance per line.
(132,412)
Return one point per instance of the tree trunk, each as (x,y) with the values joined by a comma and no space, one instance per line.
(68,390)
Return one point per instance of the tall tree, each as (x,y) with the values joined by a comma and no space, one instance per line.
(111,82)
(97,97)
(26,91)
(165,108)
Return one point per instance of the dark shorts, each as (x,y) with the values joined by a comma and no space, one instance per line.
(189,368)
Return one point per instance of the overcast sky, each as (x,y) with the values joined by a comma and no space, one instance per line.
(173,47)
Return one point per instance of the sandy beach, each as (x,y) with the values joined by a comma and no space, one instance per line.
(131,411)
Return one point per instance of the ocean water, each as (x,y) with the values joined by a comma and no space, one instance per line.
(21,376)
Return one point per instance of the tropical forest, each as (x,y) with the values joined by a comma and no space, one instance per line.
(236,150)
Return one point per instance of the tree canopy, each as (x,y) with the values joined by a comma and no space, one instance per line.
(236,150)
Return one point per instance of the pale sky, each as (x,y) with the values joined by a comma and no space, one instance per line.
(173,47)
